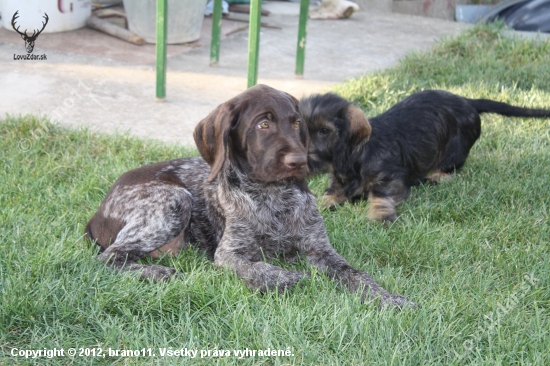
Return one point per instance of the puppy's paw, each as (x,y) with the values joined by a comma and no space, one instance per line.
(385,214)
(397,301)
(159,273)
(290,279)
(438,177)
(329,201)
(381,209)
(274,279)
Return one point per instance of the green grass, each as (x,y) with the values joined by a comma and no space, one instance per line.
(460,249)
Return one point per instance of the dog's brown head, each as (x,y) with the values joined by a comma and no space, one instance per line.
(260,131)
(336,127)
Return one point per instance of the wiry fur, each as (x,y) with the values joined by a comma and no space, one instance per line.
(244,207)
(425,137)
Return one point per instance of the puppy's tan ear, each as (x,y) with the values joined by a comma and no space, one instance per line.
(212,134)
(359,124)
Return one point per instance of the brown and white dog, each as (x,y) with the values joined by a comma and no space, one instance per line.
(425,137)
(245,203)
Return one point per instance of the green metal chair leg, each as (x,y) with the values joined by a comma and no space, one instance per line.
(302,33)
(161,48)
(216,33)
(254,41)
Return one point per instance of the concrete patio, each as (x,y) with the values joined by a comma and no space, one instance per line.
(93,79)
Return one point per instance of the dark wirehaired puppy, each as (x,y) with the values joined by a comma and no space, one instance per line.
(423,138)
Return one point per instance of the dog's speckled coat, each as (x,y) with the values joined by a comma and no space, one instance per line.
(245,203)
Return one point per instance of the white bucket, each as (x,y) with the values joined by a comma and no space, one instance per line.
(184,21)
(64,15)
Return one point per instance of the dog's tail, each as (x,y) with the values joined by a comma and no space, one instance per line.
(89,236)
(491,106)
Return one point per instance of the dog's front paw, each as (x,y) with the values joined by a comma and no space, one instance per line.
(267,277)
(438,177)
(291,279)
(159,273)
(329,201)
(397,301)
(382,209)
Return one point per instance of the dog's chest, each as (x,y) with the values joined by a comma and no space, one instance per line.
(270,218)
(274,209)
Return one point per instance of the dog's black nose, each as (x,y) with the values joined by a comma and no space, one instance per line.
(295,161)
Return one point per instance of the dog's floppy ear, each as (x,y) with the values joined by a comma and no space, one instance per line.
(359,126)
(212,135)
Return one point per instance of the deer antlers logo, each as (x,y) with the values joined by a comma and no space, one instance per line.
(29,40)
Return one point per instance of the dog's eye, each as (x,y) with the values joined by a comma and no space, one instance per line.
(296,124)
(324,131)
(263,125)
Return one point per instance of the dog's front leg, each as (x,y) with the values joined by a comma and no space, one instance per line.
(322,255)
(355,280)
(384,197)
(242,257)
(334,194)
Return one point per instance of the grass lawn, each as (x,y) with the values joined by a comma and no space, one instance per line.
(474,251)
